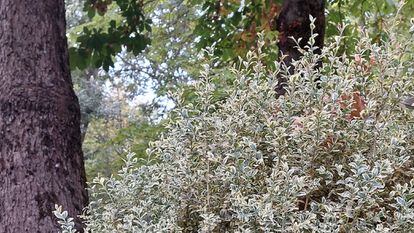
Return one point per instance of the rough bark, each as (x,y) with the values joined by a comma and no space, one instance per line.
(293,21)
(41,161)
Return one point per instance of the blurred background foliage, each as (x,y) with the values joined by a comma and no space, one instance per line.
(130,57)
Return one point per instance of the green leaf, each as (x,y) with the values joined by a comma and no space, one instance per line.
(91,13)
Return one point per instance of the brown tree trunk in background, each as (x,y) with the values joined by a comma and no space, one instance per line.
(41,161)
(293,21)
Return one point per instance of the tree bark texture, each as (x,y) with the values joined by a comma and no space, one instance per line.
(293,21)
(41,161)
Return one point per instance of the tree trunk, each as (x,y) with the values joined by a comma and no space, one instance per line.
(293,21)
(41,161)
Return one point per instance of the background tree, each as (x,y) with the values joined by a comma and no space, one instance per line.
(293,24)
(231,26)
(123,109)
(41,161)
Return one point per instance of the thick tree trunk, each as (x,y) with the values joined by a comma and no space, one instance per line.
(41,161)
(293,21)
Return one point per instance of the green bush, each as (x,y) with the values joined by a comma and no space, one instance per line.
(303,162)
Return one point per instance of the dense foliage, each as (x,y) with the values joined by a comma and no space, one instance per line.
(109,99)
(304,162)
(127,27)
(231,26)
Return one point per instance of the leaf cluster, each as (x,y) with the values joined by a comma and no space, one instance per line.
(124,24)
